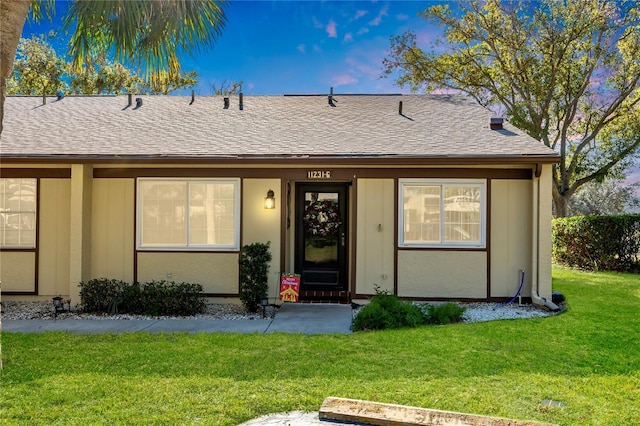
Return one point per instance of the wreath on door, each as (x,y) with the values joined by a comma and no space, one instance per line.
(322,218)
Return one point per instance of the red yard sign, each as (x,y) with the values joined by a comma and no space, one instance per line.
(289,287)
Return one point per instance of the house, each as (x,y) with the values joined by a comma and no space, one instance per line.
(426,196)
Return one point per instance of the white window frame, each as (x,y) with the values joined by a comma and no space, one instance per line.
(22,211)
(443,183)
(235,246)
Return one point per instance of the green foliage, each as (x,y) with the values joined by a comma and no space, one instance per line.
(565,72)
(610,197)
(387,311)
(37,70)
(607,243)
(444,313)
(254,269)
(583,358)
(150,298)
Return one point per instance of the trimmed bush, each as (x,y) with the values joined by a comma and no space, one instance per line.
(444,313)
(151,298)
(254,279)
(386,310)
(598,243)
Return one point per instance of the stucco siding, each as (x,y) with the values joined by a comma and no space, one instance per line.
(17,271)
(112,234)
(260,225)
(216,272)
(511,228)
(544,233)
(54,234)
(375,235)
(446,274)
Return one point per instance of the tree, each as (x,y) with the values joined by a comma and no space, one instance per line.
(38,70)
(609,198)
(152,34)
(226,87)
(566,72)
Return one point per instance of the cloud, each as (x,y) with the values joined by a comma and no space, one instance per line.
(343,80)
(360,13)
(316,48)
(301,48)
(363,30)
(378,19)
(402,17)
(331,29)
(348,37)
(316,23)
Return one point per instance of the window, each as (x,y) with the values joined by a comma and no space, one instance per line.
(192,214)
(18,212)
(441,213)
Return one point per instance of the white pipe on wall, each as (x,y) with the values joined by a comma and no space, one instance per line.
(537,300)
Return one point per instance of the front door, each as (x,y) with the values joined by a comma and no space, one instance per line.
(321,236)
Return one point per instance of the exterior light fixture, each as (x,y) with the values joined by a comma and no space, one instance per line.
(270,200)
(264,302)
(59,305)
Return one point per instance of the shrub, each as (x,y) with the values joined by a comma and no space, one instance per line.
(254,280)
(151,298)
(610,243)
(445,313)
(387,311)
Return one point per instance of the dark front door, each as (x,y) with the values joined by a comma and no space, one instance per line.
(321,236)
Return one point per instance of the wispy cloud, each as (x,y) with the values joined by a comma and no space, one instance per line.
(348,37)
(378,19)
(343,80)
(316,48)
(331,29)
(316,23)
(360,14)
(363,30)
(302,48)
(402,16)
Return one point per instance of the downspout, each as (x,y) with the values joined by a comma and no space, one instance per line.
(536,299)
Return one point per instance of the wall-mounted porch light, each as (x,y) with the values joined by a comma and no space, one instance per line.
(270,200)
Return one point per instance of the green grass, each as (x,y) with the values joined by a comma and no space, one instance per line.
(587,358)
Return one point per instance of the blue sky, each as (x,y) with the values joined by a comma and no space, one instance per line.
(302,47)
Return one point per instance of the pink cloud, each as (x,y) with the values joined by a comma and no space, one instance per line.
(376,21)
(361,13)
(331,29)
(402,17)
(363,31)
(301,48)
(348,37)
(342,80)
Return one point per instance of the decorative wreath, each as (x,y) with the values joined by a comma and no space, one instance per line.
(322,218)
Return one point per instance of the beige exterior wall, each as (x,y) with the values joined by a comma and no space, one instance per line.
(450,274)
(511,230)
(216,272)
(54,237)
(544,233)
(112,233)
(80,228)
(375,235)
(18,271)
(260,225)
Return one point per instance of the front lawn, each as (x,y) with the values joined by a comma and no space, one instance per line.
(587,361)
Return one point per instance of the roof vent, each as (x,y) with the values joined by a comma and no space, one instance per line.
(193,97)
(241,103)
(496,123)
(400,108)
(129,99)
(331,101)
(138,102)
(226,103)
(59,96)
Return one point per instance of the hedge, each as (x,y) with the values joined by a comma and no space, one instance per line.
(598,243)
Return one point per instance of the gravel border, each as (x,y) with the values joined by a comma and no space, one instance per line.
(475,312)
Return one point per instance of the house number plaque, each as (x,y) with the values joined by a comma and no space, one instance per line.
(319,174)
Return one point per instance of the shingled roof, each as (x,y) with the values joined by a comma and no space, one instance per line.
(267,127)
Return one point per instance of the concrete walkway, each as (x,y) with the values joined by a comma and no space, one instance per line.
(302,318)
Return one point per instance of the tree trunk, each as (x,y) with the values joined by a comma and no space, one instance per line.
(14,14)
(560,204)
